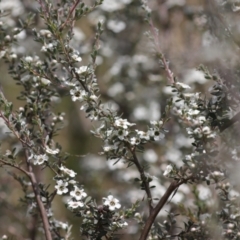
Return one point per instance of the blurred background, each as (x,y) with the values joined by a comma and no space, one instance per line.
(131,80)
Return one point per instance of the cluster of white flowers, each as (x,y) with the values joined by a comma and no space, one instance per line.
(48,47)
(202,131)
(77,196)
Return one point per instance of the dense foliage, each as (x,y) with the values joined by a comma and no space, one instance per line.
(162,159)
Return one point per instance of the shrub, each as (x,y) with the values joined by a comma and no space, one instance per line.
(171,145)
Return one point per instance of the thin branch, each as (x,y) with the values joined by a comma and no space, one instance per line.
(144,179)
(69,15)
(154,32)
(14,166)
(172,187)
(31,175)
(230,122)
(41,207)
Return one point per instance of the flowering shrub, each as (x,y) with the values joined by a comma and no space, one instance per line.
(179,150)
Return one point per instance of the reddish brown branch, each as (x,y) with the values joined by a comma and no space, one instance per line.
(155,211)
(144,180)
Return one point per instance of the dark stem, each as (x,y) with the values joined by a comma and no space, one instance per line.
(153,214)
(230,122)
(144,180)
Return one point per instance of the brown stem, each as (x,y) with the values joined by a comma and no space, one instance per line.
(172,187)
(230,122)
(41,207)
(144,180)
(70,13)
(36,193)
(14,166)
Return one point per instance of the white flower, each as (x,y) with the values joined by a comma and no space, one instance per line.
(76,57)
(61,187)
(81,70)
(206,130)
(169,168)
(108,147)
(119,122)
(112,203)
(51,151)
(183,85)
(134,141)
(156,122)
(193,112)
(143,135)
(28,59)
(93,97)
(43,49)
(67,171)
(47,47)
(198,132)
(217,174)
(62,225)
(202,119)
(121,133)
(78,194)
(40,159)
(73,204)
(45,32)
(45,81)
(155,134)
(78,94)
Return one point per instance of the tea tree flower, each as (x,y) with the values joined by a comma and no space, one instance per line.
(52,151)
(121,133)
(112,203)
(68,172)
(134,141)
(28,59)
(155,134)
(78,194)
(61,187)
(143,135)
(75,204)
(45,33)
(40,159)
(81,70)
(183,85)
(45,81)
(78,94)
(123,123)
(75,56)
